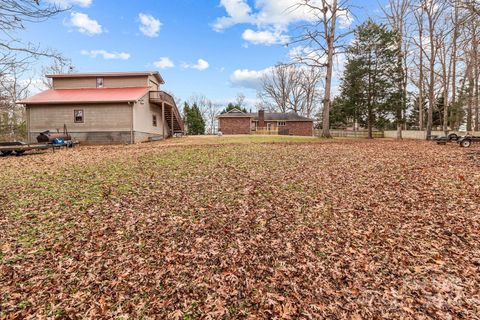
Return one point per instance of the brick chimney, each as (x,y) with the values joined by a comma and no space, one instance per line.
(261,119)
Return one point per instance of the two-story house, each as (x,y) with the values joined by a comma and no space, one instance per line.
(104,108)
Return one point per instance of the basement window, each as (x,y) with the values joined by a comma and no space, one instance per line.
(282,124)
(154,120)
(78,116)
(99,82)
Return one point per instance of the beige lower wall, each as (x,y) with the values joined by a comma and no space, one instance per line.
(98,119)
(103,123)
(143,118)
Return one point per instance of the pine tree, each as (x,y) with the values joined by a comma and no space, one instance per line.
(232,106)
(193,119)
(370,84)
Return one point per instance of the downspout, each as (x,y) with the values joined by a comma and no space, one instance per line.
(27,114)
(132,120)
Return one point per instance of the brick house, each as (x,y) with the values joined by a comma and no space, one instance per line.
(238,122)
(105,108)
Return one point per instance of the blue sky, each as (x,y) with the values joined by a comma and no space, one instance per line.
(217,48)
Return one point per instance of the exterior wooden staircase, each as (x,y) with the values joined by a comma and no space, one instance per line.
(170,112)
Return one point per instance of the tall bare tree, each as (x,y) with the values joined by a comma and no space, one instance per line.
(277,86)
(433,10)
(291,88)
(57,66)
(323,36)
(397,14)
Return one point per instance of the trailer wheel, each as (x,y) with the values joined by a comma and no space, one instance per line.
(6,153)
(466,143)
(19,152)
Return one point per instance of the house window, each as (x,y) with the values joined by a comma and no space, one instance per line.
(78,116)
(154,120)
(99,82)
(282,124)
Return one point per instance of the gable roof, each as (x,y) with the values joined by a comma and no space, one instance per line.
(269,116)
(156,74)
(278,116)
(89,95)
(236,113)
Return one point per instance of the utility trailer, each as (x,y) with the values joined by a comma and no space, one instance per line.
(46,140)
(19,148)
(468,140)
(464,141)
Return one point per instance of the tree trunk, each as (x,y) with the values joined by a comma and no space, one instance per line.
(431,85)
(328,89)
(421,120)
(471,83)
(329,30)
(454,59)
(476,79)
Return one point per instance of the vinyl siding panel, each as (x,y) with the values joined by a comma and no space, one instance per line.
(143,116)
(108,82)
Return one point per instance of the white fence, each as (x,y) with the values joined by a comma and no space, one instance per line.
(351,134)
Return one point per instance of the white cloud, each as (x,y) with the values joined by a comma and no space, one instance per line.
(69,3)
(85,24)
(238,12)
(251,79)
(106,55)
(200,65)
(149,25)
(277,13)
(164,63)
(264,37)
(268,15)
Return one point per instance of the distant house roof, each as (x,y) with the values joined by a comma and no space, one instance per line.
(269,116)
(107,74)
(91,95)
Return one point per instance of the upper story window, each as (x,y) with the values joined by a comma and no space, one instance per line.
(99,82)
(78,116)
(282,124)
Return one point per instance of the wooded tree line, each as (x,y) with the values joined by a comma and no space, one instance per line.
(416,66)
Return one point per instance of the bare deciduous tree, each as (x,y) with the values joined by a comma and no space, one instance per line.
(323,36)
(14,14)
(397,14)
(291,88)
(57,66)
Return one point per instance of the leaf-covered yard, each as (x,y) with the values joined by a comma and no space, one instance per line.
(242,228)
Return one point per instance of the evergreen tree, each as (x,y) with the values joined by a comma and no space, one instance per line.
(369,92)
(193,119)
(232,106)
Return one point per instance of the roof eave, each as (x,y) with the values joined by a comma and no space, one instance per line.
(75,102)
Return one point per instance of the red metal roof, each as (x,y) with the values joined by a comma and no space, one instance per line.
(89,95)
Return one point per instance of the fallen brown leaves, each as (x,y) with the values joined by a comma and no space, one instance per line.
(342,229)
